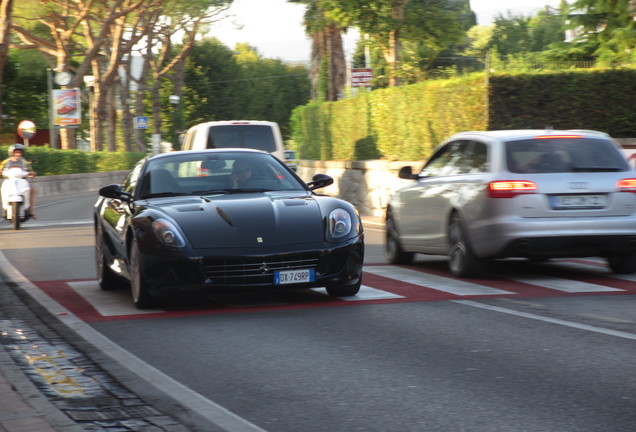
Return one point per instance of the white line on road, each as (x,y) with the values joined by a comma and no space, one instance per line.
(565,285)
(557,321)
(55,222)
(438,283)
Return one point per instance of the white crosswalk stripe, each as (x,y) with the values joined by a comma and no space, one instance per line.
(564,285)
(366,293)
(438,283)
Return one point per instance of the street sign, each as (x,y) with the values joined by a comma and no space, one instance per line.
(361,77)
(141,122)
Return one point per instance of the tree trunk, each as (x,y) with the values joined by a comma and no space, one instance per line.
(327,50)
(392,57)
(142,85)
(5,27)
(99,119)
(127,126)
(111,125)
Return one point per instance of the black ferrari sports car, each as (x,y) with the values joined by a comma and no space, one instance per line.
(216,221)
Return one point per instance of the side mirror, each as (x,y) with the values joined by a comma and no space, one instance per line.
(115,191)
(320,181)
(407,173)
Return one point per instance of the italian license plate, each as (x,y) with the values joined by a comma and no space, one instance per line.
(294,276)
(561,202)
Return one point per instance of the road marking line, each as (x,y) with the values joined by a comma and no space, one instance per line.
(557,321)
(565,285)
(108,303)
(56,222)
(366,293)
(439,283)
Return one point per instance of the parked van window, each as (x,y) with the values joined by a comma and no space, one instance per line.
(254,134)
(242,136)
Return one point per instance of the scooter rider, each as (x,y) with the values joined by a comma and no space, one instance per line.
(16,159)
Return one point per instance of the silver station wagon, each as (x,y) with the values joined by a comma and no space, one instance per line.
(518,193)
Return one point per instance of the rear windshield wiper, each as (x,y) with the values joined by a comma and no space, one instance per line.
(595,169)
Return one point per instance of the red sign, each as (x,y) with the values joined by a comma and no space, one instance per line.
(361,77)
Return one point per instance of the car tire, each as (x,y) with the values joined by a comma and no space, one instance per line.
(138,285)
(461,259)
(343,290)
(393,249)
(108,280)
(622,264)
(15,214)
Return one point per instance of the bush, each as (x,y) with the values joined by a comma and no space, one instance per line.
(47,161)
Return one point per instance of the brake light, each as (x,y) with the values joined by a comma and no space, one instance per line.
(510,188)
(559,136)
(626,185)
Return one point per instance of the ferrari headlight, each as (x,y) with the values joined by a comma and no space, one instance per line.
(168,233)
(339,223)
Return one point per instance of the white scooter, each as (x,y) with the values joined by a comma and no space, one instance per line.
(15,193)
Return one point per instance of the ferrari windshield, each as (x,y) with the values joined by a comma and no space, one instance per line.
(209,173)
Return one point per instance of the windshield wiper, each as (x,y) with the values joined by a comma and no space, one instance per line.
(595,169)
(248,190)
(165,194)
(210,191)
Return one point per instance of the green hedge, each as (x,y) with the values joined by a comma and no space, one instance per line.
(406,123)
(583,99)
(47,161)
(396,123)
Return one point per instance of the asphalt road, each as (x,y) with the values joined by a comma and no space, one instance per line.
(553,354)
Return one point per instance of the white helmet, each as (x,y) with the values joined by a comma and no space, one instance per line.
(17,146)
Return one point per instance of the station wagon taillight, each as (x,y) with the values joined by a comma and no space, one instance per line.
(626,185)
(510,188)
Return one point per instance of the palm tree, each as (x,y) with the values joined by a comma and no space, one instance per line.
(328,65)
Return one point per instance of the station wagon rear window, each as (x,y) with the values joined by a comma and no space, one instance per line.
(563,155)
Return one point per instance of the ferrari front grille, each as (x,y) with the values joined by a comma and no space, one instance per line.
(254,270)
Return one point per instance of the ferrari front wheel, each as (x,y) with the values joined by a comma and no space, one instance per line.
(344,290)
(108,280)
(138,286)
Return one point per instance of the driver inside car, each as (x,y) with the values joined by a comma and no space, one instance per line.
(241,173)
(16,159)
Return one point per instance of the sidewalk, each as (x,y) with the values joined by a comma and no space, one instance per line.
(23,408)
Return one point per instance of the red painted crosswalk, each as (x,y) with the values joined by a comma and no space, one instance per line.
(381,284)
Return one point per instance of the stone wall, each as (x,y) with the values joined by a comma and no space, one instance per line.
(78,183)
(366,184)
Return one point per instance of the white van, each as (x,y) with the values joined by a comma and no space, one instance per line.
(260,135)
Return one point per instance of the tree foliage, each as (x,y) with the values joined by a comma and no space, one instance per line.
(225,84)
(408,34)
(607,27)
